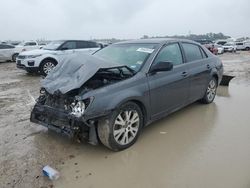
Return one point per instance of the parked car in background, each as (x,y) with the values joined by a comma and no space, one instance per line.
(24,46)
(41,45)
(7,52)
(245,45)
(220,49)
(230,47)
(205,42)
(124,87)
(209,45)
(221,42)
(15,43)
(45,59)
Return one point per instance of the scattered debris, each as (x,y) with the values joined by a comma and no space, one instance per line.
(50,172)
(162,132)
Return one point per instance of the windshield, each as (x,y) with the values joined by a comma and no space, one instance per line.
(131,55)
(53,45)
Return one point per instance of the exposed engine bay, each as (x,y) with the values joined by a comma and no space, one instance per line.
(106,77)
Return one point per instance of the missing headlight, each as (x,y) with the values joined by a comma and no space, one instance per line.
(78,108)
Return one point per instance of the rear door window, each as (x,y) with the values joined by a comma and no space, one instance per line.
(192,52)
(81,44)
(170,53)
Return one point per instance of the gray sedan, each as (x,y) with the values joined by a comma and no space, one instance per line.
(112,95)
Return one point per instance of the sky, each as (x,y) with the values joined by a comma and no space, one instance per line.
(124,19)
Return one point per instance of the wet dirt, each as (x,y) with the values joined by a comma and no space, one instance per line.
(199,146)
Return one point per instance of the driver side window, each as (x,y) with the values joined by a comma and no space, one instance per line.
(170,53)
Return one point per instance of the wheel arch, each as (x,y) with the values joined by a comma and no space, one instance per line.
(216,77)
(143,109)
(48,58)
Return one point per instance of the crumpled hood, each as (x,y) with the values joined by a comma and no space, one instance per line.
(73,71)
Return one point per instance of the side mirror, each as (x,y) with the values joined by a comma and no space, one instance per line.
(161,66)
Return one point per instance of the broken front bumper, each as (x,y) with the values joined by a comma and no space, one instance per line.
(58,120)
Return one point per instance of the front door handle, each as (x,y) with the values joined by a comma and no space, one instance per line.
(184,74)
(208,66)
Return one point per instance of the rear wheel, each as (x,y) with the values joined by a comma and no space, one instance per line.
(210,92)
(247,48)
(14,56)
(46,66)
(122,128)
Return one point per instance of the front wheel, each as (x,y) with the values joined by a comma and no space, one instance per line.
(122,128)
(46,66)
(210,92)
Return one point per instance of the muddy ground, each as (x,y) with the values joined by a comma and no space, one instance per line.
(200,146)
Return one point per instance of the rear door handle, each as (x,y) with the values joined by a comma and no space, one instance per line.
(184,74)
(208,66)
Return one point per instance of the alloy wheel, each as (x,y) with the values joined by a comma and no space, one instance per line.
(211,90)
(48,66)
(126,127)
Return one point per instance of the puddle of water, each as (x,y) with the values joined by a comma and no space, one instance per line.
(203,146)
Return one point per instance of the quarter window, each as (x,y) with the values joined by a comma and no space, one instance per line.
(170,53)
(93,45)
(192,52)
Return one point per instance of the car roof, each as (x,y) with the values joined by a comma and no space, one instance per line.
(75,40)
(156,41)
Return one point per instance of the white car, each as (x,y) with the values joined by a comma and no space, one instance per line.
(44,60)
(230,47)
(243,45)
(10,52)
(7,52)
(220,49)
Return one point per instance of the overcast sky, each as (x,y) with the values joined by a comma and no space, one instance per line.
(88,19)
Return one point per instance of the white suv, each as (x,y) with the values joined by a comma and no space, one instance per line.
(243,45)
(230,47)
(44,60)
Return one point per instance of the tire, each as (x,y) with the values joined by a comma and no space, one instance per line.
(46,66)
(247,48)
(118,132)
(210,91)
(14,56)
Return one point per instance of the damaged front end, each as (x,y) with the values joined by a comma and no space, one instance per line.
(64,112)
